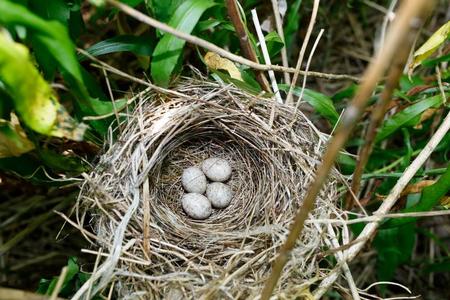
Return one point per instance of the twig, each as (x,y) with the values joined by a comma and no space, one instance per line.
(388,17)
(407,17)
(59,284)
(374,217)
(279,26)
(389,202)
(97,261)
(211,47)
(339,257)
(113,101)
(262,43)
(246,47)
(312,21)
(378,113)
(308,63)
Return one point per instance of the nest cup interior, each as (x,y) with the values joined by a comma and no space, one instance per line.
(230,252)
(261,183)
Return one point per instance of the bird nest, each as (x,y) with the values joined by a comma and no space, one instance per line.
(131,201)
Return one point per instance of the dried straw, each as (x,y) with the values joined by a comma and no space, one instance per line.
(132,199)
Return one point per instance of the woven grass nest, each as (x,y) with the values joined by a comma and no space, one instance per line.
(131,201)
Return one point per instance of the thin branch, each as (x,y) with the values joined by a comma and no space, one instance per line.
(211,47)
(59,283)
(374,218)
(378,113)
(408,16)
(370,229)
(312,21)
(265,53)
(280,31)
(308,63)
(246,46)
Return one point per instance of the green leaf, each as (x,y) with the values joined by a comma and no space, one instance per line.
(52,10)
(169,48)
(163,10)
(439,267)
(394,247)
(136,44)
(274,43)
(51,33)
(321,103)
(132,3)
(292,23)
(407,115)
(46,286)
(431,45)
(54,40)
(238,83)
(34,100)
(347,163)
(345,93)
(58,162)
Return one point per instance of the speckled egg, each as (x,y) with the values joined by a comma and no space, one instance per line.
(216,169)
(193,180)
(219,194)
(196,206)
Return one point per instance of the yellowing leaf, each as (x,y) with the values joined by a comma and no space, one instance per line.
(13,140)
(417,187)
(216,62)
(34,100)
(445,202)
(425,116)
(431,45)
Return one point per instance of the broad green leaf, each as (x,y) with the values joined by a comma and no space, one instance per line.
(405,117)
(346,163)
(46,286)
(345,93)
(52,10)
(238,83)
(394,247)
(274,43)
(442,266)
(137,44)
(163,10)
(431,45)
(52,34)
(33,97)
(169,48)
(433,62)
(53,38)
(58,162)
(132,3)
(13,140)
(292,23)
(321,103)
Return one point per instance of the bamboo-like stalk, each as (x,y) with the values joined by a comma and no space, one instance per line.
(211,47)
(378,113)
(408,15)
(244,40)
